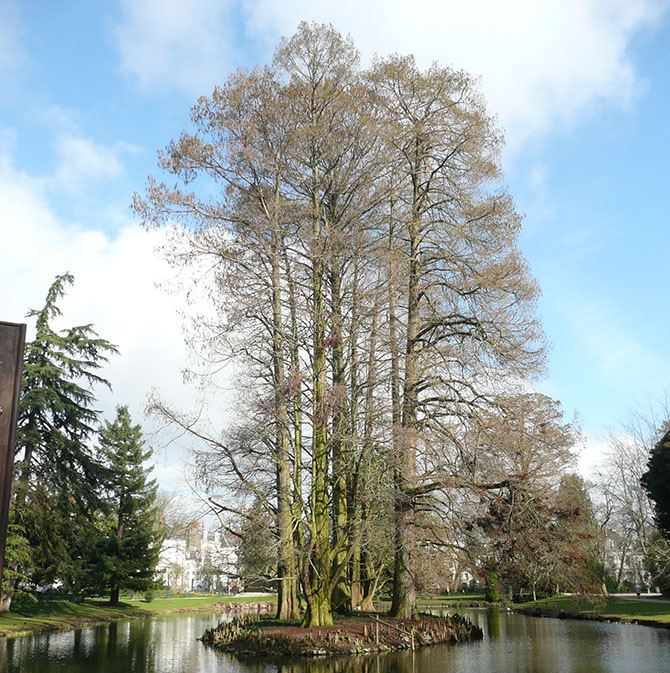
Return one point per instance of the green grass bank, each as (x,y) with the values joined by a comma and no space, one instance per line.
(59,615)
(646,611)
(426,601)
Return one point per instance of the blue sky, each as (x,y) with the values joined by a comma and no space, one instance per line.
(90,91)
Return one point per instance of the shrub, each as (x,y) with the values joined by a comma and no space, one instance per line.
(492,587)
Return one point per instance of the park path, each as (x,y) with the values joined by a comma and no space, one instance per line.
(647,598)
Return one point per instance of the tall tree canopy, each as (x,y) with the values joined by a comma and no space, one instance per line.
(364,267)
(58,478)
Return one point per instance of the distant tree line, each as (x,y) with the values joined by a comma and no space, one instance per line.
(631,493)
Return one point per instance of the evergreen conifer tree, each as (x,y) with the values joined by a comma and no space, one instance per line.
(656,482)
(57,476)
(56,414)
(128,542)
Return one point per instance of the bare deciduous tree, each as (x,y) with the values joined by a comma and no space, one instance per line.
(364,268)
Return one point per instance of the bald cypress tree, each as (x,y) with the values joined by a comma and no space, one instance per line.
(328,176)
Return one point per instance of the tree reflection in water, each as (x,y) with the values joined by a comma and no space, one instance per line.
(512,643)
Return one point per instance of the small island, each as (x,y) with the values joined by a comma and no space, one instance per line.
(350,634)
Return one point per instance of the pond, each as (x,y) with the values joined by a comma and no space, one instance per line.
(512,644)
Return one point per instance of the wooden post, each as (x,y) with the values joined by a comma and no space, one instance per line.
(12,343)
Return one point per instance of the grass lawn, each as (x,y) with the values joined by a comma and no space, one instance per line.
(450,599)
(621,608)
(190,603)
(56,615)
(436,600)
(59,614)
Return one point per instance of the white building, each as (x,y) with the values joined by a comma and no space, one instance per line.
(199,560)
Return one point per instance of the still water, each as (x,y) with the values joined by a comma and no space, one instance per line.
(512,644)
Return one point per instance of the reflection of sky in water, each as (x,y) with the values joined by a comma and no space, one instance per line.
(517,644)
(512,644)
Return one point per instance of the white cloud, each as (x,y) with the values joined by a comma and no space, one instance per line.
(114,289)
(542,64)
(166,44)
(82,160)
(78,160)
(170,475)
(592,456)
(23,215)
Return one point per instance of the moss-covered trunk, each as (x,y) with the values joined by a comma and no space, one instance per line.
(319,589)
(341,443)
(404,593)
(288,607)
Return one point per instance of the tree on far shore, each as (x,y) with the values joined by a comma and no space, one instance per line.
(125,552)
(656,482)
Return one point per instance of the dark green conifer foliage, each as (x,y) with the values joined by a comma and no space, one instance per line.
(656,481)
(18,561)
(126,550)
(57,476)
(56,414)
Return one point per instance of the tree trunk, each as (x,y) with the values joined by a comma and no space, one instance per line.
(404,592)
(340,441)
(319,612)
(6,597)
(114,595)
(355,570)
(296,392)
(319,609)
(361,582)
(369,583)
(403,605)
(287,603)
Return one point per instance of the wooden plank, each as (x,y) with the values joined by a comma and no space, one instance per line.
(12,344)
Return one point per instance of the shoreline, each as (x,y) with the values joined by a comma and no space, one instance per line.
(560,613)
(67,615)
(67,618)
